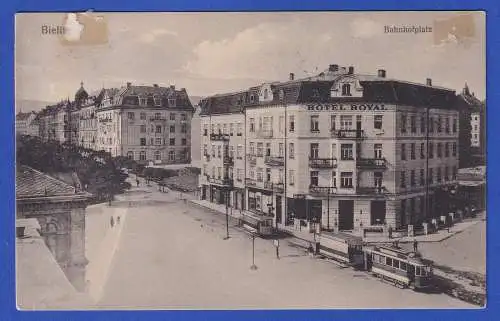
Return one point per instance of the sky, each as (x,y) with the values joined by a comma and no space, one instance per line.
(209,53)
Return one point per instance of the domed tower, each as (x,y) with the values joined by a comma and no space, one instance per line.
(81,95)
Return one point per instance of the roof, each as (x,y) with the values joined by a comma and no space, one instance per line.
(33,183)
(24,116)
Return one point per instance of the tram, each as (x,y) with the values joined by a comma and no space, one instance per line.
(400,267)
(258,224)
(342,247)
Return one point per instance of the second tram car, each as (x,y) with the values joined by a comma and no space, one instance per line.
(342,247)
(261,225)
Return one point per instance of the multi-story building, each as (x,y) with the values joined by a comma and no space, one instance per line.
(196,144)
(345,149)
(145,123)
(27,124)
(54,123)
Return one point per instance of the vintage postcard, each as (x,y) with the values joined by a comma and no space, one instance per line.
(270,160)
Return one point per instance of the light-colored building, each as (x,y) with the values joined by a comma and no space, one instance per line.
(27,124)
(150,124)
(196,154)
(345,149)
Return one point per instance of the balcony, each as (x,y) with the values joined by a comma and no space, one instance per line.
(322,190)
(348,134)
(322,162)
(374,190)
(265,133)
(371,163)
(158,119)
(250,182)
(275,187)
(226,182)
(252,159)
(219,137)
(274,160)
(228,160)
(105,120)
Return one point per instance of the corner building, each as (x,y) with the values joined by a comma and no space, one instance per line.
(343,149)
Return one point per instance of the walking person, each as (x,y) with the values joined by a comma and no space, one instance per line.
(137,182)
(112,221)
(277,245)
(415,245)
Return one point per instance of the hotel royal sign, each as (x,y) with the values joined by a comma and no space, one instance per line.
(347,107)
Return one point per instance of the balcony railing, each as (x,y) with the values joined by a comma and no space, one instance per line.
(276,187)
(252,159)
(374,190)
(322,162)
(158,119)
(368,163)
(228,160)
(322,190)
(227,182)
(268,133)
(219,137)
(105,120)
(250,182)
(274,160)
(348,134)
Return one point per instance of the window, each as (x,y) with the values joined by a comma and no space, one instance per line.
(172,142)
(439,175)
(143,101)
(413,124)
(224,129)
(252,148)
(151,141)
(446,149)
(157,155)
(346,179)
(184,142)
(291,151)
(205,130)
(454,125)
(446,173)
(431,176)
(183,117)
(422,124)
(314,150)
(422,150)
(388,261)
(252,125)
(422,177)
(291,177)
(377,122)
(315,123)
(240,129)
(142,155)
(439,150)
(412,151)
(454,149)
(333,125)
(395,264)
(447,125)
(259,174)
(239,151)
(431,150)
(131,115)
(260,149)
(377,150)
(281,149)
(130,155)
(439,125)
(213,150)
(402,182)
(143,116)
(231,129)
(268,149)
(346,152)
(412,178)
(172,128)
(158,129)
(143,141)
(292,123)
(171,102)
(403,123)
(172,116)
(152,128)
(346,90)
(143,128)
(345,122)
(334,179)
(475,127)
(454,173)
(377,179)
(314,178)
(171,156)
(219,151)
(183,128)
(158,141)
(157,101)
(403,151)
(431,124)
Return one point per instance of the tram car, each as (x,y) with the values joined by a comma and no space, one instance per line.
(342,247)
(258,224)
(400,267)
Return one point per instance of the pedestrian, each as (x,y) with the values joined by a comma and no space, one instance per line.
(137,182)
(277,245)
(118,220)
(112,221)
(311,250)
(415,245)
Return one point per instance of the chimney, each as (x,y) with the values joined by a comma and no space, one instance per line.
(333,68)
(172,87)
(292,76)
(351,70)
(155,85)
(381,73)
(428,82)
(129,84)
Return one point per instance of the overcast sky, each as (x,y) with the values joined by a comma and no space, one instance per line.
(221,52)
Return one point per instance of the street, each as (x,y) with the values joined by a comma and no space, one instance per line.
(172,255)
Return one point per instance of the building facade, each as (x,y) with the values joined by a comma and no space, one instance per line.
(343,149)
(27,124)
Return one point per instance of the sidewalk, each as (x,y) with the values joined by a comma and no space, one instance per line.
(235,213)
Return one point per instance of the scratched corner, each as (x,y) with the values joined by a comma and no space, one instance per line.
(459,29)
(85,28)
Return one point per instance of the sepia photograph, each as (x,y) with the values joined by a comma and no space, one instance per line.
(250,160)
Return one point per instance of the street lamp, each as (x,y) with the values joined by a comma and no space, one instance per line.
(253,266)
(227,215)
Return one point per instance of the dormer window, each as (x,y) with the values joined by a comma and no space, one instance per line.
(266,93)
(282,94)
(143,101)
(157,101)
(252,98)
(346,90)
(171,102)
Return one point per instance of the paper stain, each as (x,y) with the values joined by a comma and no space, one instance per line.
(460,29)
(84,28)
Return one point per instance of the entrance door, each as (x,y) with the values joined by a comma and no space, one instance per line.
(204,192)
(278,209)
(377,212)
(222,197)
(346,215)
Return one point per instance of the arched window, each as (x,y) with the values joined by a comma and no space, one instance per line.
(157,155)
(142,155)
(266,93)
(346,90)
(130,155)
